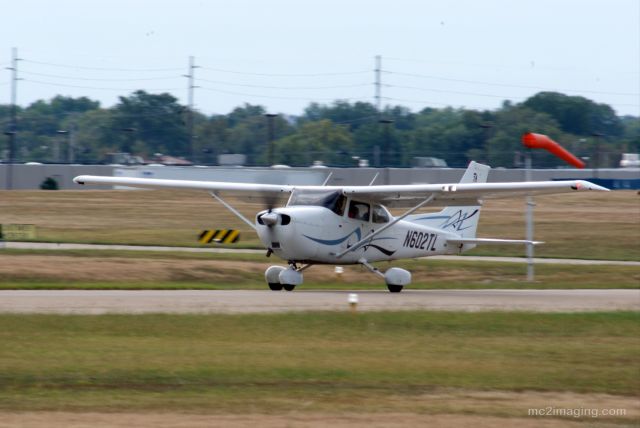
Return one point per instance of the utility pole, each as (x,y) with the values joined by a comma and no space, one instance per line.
(529,217)
(11,133)
(378,83)
(190,89)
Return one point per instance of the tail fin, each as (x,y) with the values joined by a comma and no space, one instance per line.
(461,220)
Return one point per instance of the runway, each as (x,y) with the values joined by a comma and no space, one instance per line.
(252,301)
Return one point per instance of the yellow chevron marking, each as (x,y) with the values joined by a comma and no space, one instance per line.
(233,237)
(217,237)
(206,236)
(220,236)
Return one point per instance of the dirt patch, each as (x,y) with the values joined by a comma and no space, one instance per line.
(111,269)
(180,420)
(438,409)
(63,268)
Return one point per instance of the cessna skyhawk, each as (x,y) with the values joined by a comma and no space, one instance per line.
(342,225)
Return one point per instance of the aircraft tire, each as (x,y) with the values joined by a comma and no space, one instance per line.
(289,287)
(394,288)
(275,286)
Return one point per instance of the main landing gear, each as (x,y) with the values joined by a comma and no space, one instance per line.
(395,278)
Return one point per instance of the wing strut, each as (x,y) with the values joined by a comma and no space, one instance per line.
(373,179)
(233,210)
(385,227)
(326,180)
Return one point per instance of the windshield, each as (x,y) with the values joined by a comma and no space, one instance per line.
(335,201)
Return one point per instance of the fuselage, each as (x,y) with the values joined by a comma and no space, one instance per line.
(316,234)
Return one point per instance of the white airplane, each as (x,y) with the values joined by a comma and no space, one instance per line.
(342,225)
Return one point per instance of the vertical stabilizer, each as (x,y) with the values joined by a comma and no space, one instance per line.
(461,220)
(475,173)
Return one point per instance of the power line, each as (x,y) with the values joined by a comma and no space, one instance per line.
(64,85)
(444,91)
(506,85)
(344,73)
(82,67)
(222,91)
(58,76)
(220,82)
(479,107)
(69,113)
(403,100)
(510,66)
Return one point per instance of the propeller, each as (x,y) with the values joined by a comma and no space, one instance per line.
(269,218)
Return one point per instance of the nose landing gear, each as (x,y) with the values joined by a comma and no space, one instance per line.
(279,277)
(271,275)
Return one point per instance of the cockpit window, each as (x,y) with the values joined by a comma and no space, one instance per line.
(380,214)
(335,201)
(359,210)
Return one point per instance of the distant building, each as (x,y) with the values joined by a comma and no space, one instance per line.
(428,162)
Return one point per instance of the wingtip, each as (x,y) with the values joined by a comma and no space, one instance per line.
(598,187)
(587,185)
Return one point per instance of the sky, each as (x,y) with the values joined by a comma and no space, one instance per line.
(285,54)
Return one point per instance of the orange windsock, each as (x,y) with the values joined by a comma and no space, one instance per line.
(540,141)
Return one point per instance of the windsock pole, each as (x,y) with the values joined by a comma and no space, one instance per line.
(540,141)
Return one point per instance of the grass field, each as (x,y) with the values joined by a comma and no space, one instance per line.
(38,269)
(590,226)
(369,362)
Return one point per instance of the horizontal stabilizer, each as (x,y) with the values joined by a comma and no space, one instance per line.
(491,241)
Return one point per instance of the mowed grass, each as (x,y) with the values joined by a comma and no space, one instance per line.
(307,362)
(582,225)
(39,269)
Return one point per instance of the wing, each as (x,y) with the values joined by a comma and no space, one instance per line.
(248,191)
(393,195)
(463,193)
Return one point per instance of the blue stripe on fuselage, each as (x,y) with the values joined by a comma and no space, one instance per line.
(336,241)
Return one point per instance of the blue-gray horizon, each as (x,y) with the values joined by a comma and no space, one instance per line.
(284,55)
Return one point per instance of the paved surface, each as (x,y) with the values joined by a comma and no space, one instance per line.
(216,301)
(55,246)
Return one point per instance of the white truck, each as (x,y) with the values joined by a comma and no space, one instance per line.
(630,160)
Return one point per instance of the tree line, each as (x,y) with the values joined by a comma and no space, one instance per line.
(337,134)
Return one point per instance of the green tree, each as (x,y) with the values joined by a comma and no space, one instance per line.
(576,115)
(95,135)
(151,122)
(321,140)
(342,112)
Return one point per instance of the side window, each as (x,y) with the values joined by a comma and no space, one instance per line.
(380,214)
(359,211)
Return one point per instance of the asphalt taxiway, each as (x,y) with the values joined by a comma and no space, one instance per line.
(246,301)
